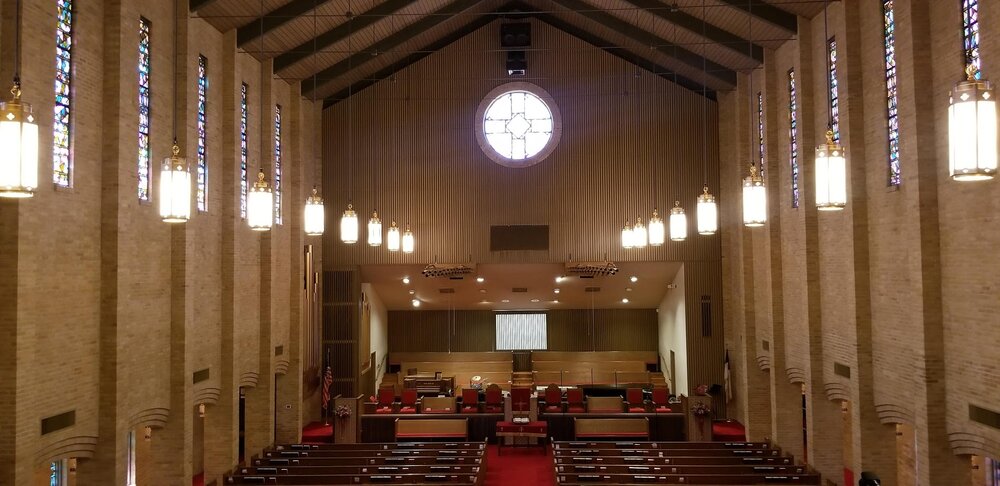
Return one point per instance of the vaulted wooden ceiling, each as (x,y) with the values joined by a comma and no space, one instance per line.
(346,45)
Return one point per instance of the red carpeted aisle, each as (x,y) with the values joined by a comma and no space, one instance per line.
(522,467)
(728,431)
(317,433)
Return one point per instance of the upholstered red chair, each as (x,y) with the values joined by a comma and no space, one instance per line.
(574,401)
(635,401)
(470,400)
(494,399)
(520,401)
(553,399)
(386,396)
(661,398)
(408,403)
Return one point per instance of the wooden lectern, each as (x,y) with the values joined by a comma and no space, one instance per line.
(699,428)
(347,430)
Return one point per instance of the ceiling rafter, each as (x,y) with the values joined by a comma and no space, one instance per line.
(273,19)
(195,5)
(768,13)
(340,32)
(388,43)
(685,56)
(695,25)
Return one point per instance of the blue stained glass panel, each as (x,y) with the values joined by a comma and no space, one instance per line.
(834,99)
(793,139)
(62,163)
(889,31)
(760,132)
(970,35)
(277,164)
(144,163)
(243,151)
(201,176)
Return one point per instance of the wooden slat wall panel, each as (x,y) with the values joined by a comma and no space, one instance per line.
(625,330)
(570,330)
(416,160)
(473,331)
(705,355)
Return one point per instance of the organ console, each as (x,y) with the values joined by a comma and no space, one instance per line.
(430,384)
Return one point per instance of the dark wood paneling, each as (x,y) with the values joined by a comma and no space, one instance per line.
(625,330)
(570,330)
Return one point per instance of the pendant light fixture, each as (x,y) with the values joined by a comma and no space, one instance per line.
(349,220)
(639,235)
(314,211)
(627,235)
(315,214)
(754,191)
(656,230)
(409,241)
(707,212)
(374,230)
(678,223)
(831,159)
(175,180)
(392,237)
(18,134)
(260,198)
(972,128)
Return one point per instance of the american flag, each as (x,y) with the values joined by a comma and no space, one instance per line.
(327,381)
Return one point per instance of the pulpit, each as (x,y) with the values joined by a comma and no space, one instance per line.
(698,415)
(346,419)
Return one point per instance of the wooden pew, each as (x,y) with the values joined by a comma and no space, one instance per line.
(661,445)
(432,429)
(438,405)
(325,479)
(382,446)
(359,469)
(605,405)
(610,428)
(679,469)
(677,460)
(712,479)
(371,461)
(370,453)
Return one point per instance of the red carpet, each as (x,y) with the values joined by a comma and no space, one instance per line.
(728,431)
(198,480)
(523,466)
(317,433)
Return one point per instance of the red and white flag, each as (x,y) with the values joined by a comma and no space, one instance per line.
(727,374)
(327,381)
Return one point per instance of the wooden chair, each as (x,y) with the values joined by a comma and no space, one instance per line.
(636,404)
(574,401)
(470,400)
(408,404)
(520,401)
(494,399)
(386,397)
(553,399)
(661,399)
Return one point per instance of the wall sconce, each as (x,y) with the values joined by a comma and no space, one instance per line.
(201,410)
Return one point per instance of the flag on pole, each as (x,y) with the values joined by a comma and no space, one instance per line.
(728,378)
(327,381)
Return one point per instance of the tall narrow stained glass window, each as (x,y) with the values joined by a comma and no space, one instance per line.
(760,132)
(202,174)
(277,164)
(793,138)
(62,135)
(889,32)
(144,163)
(831,56)
(243,150)
(970,34)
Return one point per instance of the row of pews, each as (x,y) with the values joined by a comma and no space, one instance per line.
(389,463)
(715,463)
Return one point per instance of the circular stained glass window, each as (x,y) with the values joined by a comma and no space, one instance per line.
(517,125)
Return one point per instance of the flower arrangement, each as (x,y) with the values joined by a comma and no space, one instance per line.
(342,411)
(701,409)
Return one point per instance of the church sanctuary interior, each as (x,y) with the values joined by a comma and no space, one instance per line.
(499,242)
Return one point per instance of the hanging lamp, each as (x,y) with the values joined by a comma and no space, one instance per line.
(315,215)
(392,237)
(627,235)
(972,129)
(678,223)
(374,230)
(260,198)
(19,139)
(754,191)
(314,211)
(349,220)
(656,230)
(409,241)
(349,225)
(639,236)
(175,179)
(831,159)
(707,212)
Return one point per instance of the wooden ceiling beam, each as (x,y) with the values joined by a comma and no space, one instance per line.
(273,19)
(768,13)
(693,24)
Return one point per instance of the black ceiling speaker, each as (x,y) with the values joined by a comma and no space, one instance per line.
(517,64)
(515,36)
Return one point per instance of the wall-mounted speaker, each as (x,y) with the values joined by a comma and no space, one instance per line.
(517,64)
(513,36)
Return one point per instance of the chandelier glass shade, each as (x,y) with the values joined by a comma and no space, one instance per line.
(754,199)
(972,129)
(409,242)
(678,223)
(175,188)
(831,175)
(627,235)
(708,213)
(19,139)
(349,226)
(315,215)
(374,230)
(392,237)
(260,205)
(639,235)
(656,230)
